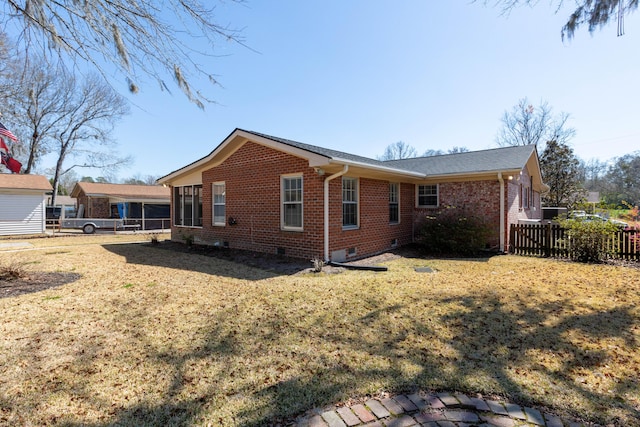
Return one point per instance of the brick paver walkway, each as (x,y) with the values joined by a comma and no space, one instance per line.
(434,410)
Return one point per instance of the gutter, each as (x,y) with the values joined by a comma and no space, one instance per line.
(344,170)
(380,168)
(502,212)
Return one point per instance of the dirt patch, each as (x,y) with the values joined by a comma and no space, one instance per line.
(281,264)
(35,282)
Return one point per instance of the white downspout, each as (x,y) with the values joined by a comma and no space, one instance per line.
(502,212)
(326,209)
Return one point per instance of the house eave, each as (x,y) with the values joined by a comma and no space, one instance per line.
(232,143)
(490,174)
(379,169)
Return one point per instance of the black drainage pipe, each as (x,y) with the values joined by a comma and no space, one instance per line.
(359,267)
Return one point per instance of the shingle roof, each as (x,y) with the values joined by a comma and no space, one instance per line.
(327,152)
(497,159)
(123,190)
(25,182)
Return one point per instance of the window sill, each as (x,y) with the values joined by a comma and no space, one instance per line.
(350,227)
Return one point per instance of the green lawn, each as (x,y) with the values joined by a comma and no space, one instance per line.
(156,337)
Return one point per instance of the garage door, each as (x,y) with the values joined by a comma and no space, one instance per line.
(21,214)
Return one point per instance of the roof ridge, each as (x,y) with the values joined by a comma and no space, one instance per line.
(470,152)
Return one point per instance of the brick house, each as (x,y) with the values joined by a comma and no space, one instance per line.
(148,205)
(274,195)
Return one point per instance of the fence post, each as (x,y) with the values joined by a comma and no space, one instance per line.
(547,240)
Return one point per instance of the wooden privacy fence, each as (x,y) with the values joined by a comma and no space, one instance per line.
(549,240)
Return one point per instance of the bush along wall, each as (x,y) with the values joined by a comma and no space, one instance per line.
(453,231)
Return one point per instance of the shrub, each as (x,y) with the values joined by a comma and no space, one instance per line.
(587,240)
(452,231)
(12,271)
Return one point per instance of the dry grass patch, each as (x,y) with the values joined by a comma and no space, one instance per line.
(149,336)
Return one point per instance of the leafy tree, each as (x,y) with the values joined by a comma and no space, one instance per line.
(593,13)
(560,171)
(526,124)
(397,151)
(136,38)
(623,180)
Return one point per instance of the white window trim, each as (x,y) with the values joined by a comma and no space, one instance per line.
(418,196)
(357,203)
(397,202)
(282,202)
(214,204)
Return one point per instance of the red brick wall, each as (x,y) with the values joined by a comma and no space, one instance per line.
(252,179)
(374,234)
(252,184)
(252,176)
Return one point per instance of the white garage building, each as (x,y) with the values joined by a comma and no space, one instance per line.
(22,203)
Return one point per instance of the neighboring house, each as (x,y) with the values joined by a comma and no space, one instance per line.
(148,205)
(22,203)
(273,195)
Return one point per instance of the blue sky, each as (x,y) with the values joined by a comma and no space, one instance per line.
(359,75)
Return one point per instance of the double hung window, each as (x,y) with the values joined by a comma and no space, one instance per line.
(394,206)
(349,202)
(219,196)
(291,216)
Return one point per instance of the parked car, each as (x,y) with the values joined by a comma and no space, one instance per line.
(592,217)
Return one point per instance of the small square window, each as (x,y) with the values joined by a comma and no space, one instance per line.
(428,195)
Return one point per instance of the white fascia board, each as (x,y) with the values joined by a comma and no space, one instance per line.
(395,171)
(314,159)
(476,173)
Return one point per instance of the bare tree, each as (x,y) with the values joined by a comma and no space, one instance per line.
(456,150)
(138,179)
(91,111)
(38,106)
(8,68)
(398,150)
(526,124)
(432,152)
(137,38)
(593,13)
